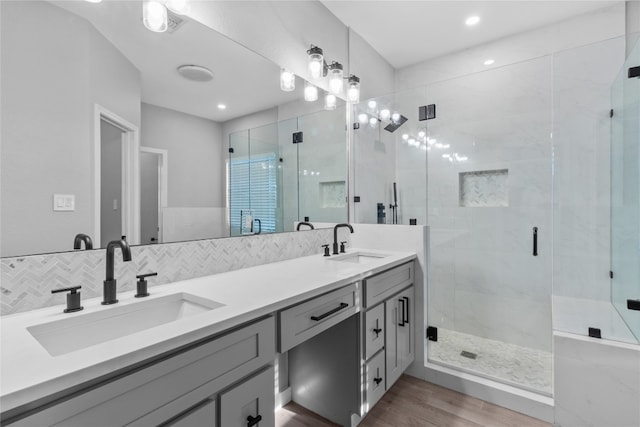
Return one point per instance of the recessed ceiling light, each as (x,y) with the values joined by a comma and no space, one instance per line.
(472,20)
(488,62)
(195,73)
(222,106)
(93,1)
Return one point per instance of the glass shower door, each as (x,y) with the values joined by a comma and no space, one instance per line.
(625,194)
(489,211)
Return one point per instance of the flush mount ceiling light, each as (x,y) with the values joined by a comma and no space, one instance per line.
(154,16)
(336,78)
(181,7)
(472,20)
(195,73)
(353,89)
(287,80)
(317,67)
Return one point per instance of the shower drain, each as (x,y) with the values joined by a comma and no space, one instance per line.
(468,354)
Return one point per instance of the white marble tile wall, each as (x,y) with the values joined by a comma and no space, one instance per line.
(26,282)
(484,279)
(596,382)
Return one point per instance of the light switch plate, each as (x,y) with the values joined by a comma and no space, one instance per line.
(64,202)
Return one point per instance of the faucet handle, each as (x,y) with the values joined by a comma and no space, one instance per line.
(73,298)
(326,249)
(142,284)
(342,246)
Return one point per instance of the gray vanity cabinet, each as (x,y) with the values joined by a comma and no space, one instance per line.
(399,334)
(250,403)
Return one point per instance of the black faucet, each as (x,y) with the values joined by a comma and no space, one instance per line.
(109,282)
(304,223)
(335,235)
(80,237)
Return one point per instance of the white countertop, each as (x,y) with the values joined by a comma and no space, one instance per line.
(29,372)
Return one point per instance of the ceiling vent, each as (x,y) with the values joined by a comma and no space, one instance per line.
(174,22)
(195,73)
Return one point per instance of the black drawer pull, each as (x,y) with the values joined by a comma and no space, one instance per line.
(251,421)
(377,380)
(535,241)
(377,331)
(329,313)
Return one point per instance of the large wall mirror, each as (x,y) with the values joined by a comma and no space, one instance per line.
(102,135)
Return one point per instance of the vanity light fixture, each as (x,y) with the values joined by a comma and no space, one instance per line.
(489,62)
(180,7)
(154,16)
(395,117)
(353,89)
(287,80)
(472,20)
(336,78)
(310,92)
(363,118)
(317,66)
(373,122)
(385,114)
(330,101)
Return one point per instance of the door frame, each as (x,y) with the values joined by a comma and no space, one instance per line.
(163,183)
(130,174)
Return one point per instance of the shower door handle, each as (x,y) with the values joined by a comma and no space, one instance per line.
(535,241)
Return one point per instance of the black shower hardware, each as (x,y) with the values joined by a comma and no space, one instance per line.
(73,298)
(335,235)
(259,226)
(381,214)
(633,304)
(109,284)
(251,421)
(394,206)
(308,224)
(141,285)
(427,112)
(634,72)
(326,250)
(394,125)
(342,247)
(81,237)
(535,241)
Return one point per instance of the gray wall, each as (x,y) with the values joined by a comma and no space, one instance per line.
(195,163)
(51,77)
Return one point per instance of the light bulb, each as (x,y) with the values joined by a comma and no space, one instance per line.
(310,92)
(405,136)
(373,122)
(472,20)
(363,118)
(421,134)
(287,80)
(353,91)
(316,62)
(336,78)
(489,62)
(181,7)
(385,114)
(372,105)
(154,16)
(395,117)
(330,101)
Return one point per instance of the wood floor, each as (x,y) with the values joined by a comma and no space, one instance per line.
(415,403)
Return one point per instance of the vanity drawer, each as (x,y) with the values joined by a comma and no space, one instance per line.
(154,394)
(375,379)
(374,331)
(381,286)
(305,320)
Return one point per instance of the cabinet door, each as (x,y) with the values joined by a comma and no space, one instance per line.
(250,403)
(203,415)
(392,354)
(406,328)
(373,331)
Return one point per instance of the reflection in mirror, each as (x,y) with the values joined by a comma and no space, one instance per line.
(102,136)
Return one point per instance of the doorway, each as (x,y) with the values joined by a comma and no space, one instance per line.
(153,193)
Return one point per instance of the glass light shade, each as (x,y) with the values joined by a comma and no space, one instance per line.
(154,16)
(372,105)
(353,90)
(336,78)
(385,114)
(330,101)
(181,7)
(310,92)
(395,117)
(316,62)
(373,122)
(363,118)
(287,80)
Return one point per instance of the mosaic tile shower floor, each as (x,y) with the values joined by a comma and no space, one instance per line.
(522,367)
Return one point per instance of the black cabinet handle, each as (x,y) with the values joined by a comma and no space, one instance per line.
(377,331)
(402,314)
(377,380)
(406,300)
(329,313)
(251,421)
(535,241)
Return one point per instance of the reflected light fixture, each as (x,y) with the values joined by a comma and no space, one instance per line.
(180,7)
(287,80)
(353,89)
(93,1)
(488,62)
(405,136)
(222,107)
(373,122)
(330,101)
(310,92)
(472,20)
(385,114)
(372,104)
(336,78)
(316,62)
(362,118)
(154,16)
(395,117)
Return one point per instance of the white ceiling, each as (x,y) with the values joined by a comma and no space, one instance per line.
(408,32)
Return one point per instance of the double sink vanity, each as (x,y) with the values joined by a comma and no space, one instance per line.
(330,333)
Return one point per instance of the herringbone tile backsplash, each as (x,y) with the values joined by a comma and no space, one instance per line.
(27,281)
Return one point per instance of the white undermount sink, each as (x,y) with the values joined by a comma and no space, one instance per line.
(359,257)
(84,330)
